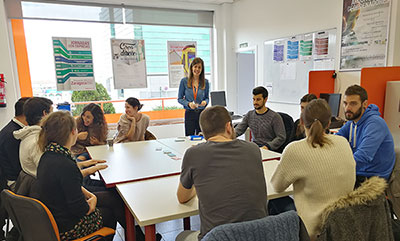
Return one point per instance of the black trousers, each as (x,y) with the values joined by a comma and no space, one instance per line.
(192,126)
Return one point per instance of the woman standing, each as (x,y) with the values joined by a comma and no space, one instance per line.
(93,130)
(132,125)
(193,94)
(320,167)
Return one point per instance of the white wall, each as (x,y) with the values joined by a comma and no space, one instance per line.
(6,67)
(255,21)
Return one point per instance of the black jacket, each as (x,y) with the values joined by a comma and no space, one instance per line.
(9,152)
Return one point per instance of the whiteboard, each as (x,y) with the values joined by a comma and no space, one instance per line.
(286,74)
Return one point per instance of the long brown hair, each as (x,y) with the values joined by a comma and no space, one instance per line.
(56,127)
(202,79)
(99,127)
(316,117)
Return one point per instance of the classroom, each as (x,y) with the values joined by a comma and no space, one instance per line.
(129,64)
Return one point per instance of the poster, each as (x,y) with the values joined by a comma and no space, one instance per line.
(180,55)
(129,63)
(279,47)
(364,39)
(74,63)
(321,49)
(293,49)
(306,46)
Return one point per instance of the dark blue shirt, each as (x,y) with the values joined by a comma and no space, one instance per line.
(185,94)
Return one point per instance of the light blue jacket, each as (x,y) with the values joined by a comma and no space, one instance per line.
(372,144)
(185,94)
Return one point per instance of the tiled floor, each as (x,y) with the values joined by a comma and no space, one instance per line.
(169,230)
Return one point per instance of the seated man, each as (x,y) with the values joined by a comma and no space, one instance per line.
(266,125)
(9,153)
(368,135)
(226,173)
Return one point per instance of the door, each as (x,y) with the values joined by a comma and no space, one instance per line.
(246,79)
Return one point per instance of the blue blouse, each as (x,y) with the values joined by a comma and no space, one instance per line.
(185,94)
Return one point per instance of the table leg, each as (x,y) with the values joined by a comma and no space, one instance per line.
(186,223)
(130,226)
(150,232)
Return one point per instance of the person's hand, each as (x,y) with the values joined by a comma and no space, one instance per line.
(94,140)
(92,201)
(265,148)
(203,103)
(90,163)
(131,118)
(82,135)
(192,105)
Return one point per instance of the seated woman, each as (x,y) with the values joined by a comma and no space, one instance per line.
(299,129)
(132,125)
(59,182)
(320,167)
(93,130)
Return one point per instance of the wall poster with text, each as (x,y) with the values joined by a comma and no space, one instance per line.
(365,28)
(129,63)
(180,56)
(74,63)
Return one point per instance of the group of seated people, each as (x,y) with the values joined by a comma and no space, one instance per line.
(50,149)
(225,173)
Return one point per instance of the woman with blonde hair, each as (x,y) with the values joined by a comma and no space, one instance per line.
(321,167)
(59,181)
(193,95)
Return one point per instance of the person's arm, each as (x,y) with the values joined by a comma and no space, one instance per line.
(280,133)
(184,194)
(285,173)
(82,135)
(91,199)
(181,94)
(70,183)
(186,189)
(206,94)
(91,170)
(242,126)
(373,136)
(344,131)
(132,129)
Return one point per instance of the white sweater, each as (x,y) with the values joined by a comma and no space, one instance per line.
(29,152)
(319,177)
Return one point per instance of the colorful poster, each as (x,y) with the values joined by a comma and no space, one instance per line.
(364,33)
(129,63)
(321,49)
(180,55)
(279,47)
(293,49)
(306,46)
(74,63)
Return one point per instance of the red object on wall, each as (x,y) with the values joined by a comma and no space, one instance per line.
(321,82)
(2,91)
(373,80)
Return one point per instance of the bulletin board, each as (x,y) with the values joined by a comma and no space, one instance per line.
(288,61)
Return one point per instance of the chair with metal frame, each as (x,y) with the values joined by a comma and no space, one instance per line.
(35,221)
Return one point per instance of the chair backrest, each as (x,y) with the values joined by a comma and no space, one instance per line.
(31,217)
(282,227)
(149,136)
(289,126)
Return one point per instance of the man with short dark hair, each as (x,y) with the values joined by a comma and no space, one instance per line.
(226,173)
(266,125)
(368,135)
(34,110)
(9,152)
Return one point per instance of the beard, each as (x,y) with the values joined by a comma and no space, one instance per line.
(352,116)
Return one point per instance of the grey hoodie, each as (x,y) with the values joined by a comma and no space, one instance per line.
(29,152)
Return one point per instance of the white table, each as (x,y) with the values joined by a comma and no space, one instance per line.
(154,201)
(136,161)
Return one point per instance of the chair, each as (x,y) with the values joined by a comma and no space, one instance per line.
(149,136)
(282,227)
(34,220)
(289,126)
